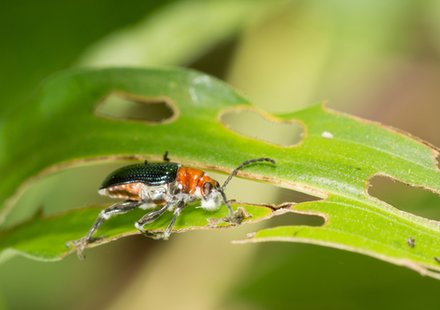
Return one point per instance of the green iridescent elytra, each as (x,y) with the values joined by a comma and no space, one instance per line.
(147,173)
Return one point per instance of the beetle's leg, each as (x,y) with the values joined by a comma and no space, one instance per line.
(119,208)
(150,217)
(180,206)
(165,156)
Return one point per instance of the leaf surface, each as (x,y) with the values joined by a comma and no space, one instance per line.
(335,160)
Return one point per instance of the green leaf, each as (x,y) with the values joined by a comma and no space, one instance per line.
(46,238)
(334,161)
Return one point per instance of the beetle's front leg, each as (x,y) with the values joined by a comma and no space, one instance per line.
(119,208)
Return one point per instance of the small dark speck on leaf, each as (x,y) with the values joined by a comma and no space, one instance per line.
(411,242)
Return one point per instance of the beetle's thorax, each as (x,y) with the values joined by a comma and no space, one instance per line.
(191,180)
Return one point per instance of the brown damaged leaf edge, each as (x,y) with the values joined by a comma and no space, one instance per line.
(368,185)
(324,106)
(422,270)
(434,150)
(435,157)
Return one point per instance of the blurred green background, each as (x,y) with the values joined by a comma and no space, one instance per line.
(375,59)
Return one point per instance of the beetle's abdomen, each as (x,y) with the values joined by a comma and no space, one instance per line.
(129,191)
(148,173)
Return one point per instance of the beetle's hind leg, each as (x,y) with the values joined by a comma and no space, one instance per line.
(119,208)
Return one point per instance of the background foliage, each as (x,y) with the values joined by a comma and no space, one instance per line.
(378,60)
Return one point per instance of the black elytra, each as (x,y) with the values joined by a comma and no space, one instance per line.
(146,173)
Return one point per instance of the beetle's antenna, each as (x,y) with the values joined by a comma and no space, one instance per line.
(231,212)
(234,173)
(247,162)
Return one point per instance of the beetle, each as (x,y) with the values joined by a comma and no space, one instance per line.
(160,186)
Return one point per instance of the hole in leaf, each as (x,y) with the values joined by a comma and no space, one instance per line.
(66,189)
(293,218)
(254,125)
(251,191)
(406,198)
(288,195)
(131,107)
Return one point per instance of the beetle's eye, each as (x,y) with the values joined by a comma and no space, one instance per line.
(207,187)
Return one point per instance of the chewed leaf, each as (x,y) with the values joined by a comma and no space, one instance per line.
(47,238)
(335,159)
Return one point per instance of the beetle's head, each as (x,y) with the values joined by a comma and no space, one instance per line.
(211,196)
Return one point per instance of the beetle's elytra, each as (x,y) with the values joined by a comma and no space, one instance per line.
(146,173)
(160,186)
